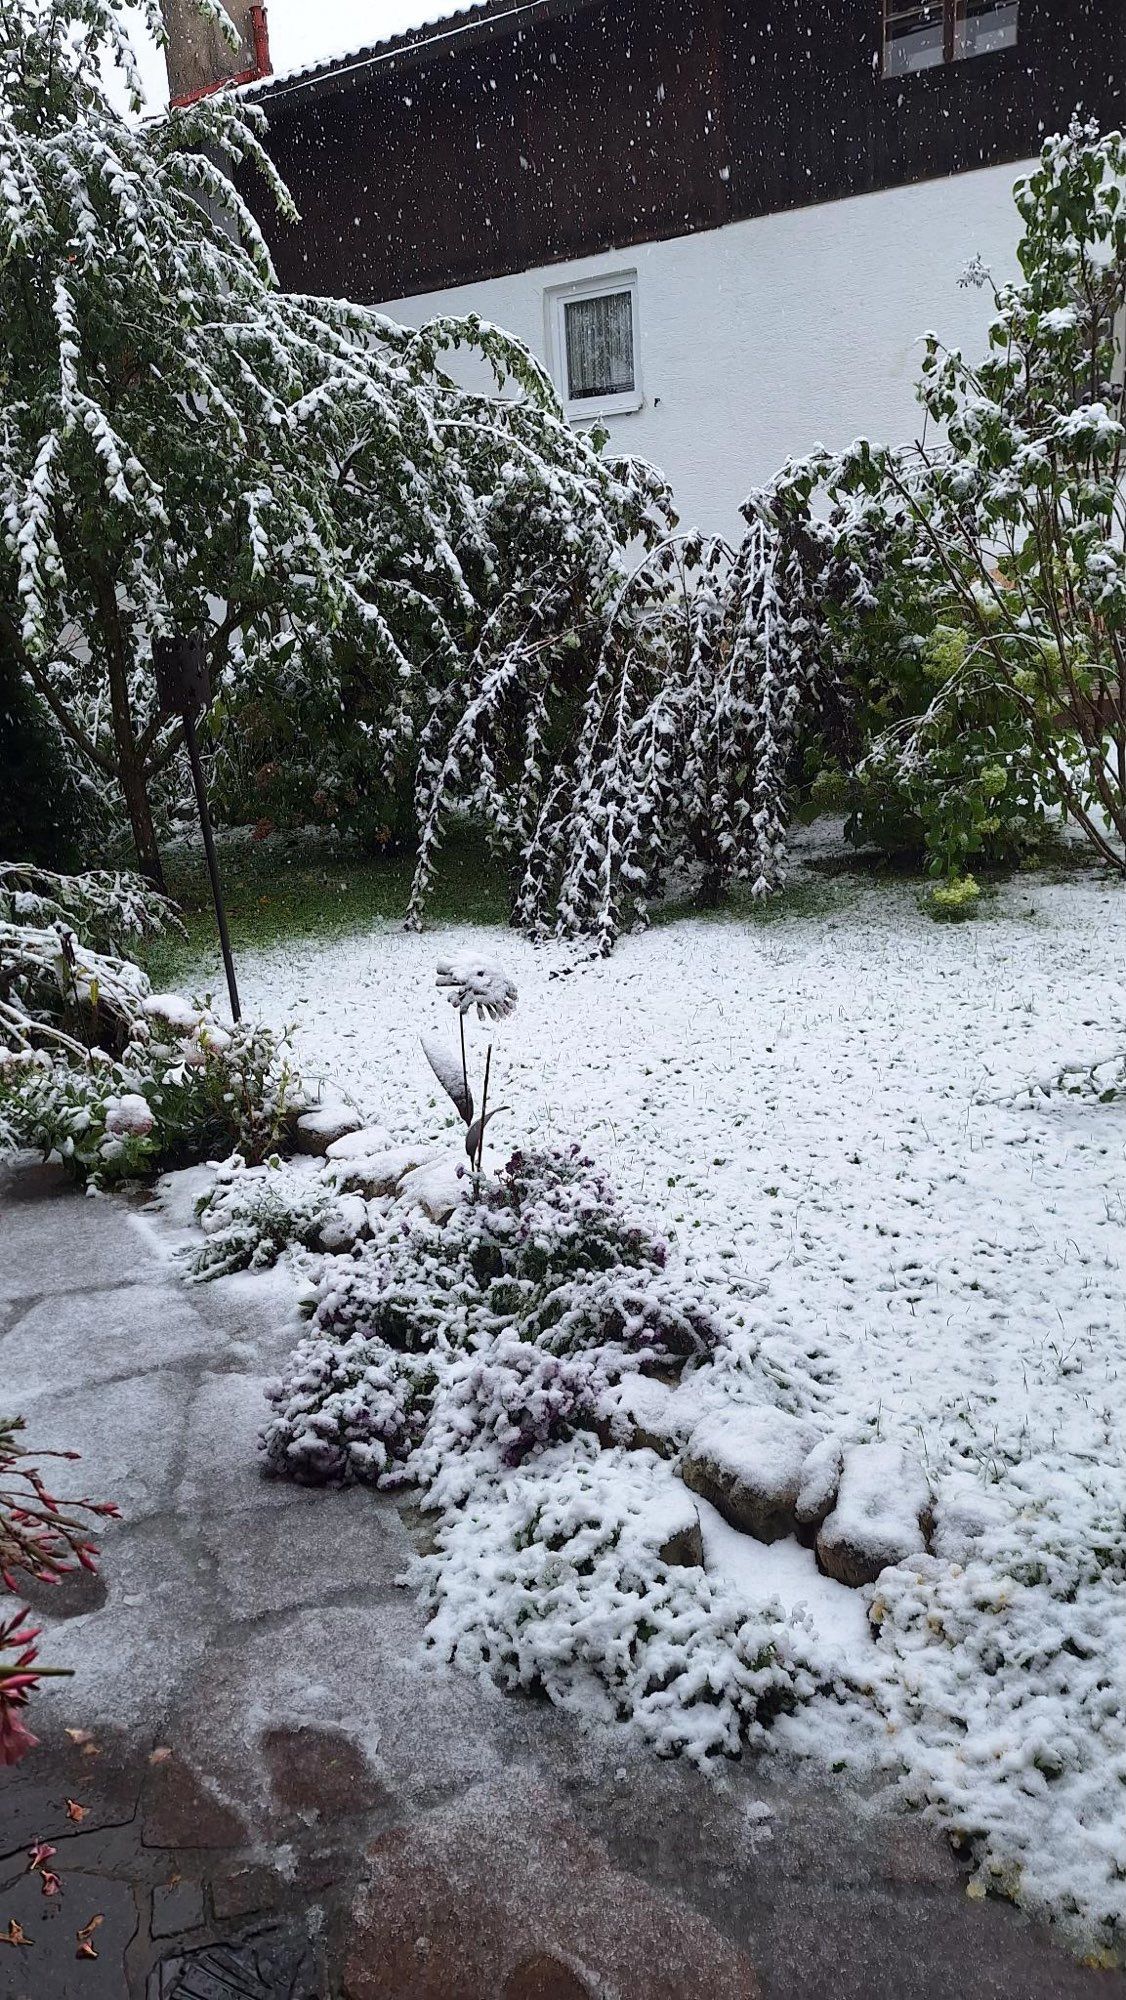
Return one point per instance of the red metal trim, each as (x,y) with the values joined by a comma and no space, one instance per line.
(260,36)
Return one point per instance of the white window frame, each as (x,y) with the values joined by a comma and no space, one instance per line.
(588,409)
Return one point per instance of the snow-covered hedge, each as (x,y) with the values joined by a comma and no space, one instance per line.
(525,1302)
(556,1581)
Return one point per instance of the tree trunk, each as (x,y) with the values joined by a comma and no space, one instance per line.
(140,818)
(130,763)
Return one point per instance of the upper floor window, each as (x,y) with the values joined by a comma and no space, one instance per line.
(923,34)
(592,332)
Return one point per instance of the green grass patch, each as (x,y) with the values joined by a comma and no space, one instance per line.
(802,898)
(294,886)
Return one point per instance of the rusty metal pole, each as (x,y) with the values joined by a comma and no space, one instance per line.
(183,688)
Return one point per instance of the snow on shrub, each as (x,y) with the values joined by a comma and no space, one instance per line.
(250,1215)
(298,478)
(347,1411)
(99,1073)
(109,907)
(468,1358)
(553,1581)
(1008,1705)
(527,1299)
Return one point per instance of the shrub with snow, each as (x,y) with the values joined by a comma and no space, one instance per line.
(527,1300)
(554,1580)
(1008,1700)
(100,1073)
(297,478)
(469,1358)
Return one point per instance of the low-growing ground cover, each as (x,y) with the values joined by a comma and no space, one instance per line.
(832,1115)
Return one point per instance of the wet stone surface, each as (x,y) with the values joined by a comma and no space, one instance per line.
(271,1962)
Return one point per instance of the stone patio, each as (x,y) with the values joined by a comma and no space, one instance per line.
(283,1798)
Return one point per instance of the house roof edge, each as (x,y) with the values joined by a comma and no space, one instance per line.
(471,25)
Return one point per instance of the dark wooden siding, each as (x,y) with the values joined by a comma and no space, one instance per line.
(630,120)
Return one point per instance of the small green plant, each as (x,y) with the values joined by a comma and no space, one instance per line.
(954,901)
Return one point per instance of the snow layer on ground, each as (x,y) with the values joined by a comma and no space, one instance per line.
(819,1107)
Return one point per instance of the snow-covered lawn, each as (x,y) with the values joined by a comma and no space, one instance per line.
(824,1106)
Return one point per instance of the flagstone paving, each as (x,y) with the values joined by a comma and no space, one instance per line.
(281,1797)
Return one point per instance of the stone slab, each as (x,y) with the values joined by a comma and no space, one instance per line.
(56,1239)
(220,1470)
(176,1907)
(128,1433)
(326,1544)
(502,1892)
(102,1336)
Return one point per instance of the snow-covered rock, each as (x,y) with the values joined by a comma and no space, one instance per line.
(820,1480)
(437,1187)
(672,1527)
(381,1173)
(347,1223)
(882,1515)
(359,1144)
(318,1129)
(750,1464)
(637,1413)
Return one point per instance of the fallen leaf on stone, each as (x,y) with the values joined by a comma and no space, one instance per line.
(52,1883)
(37,1855)
(80,1735)
(85,1948)
(76,1812)
(15,1934)
(160,1755)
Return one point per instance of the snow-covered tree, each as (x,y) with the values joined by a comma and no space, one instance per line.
(667,745)
(183,446)
(1017,508)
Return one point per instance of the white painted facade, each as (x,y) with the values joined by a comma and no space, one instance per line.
(761,339)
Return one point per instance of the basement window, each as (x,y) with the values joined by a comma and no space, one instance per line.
(925,34)
(592,337)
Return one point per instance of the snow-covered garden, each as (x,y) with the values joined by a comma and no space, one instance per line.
(891,1254)
(739,1298)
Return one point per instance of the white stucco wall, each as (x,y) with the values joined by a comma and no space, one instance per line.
(766,337)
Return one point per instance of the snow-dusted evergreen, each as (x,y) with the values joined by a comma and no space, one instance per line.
(183,446)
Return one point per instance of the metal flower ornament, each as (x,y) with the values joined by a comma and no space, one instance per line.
(468,984)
